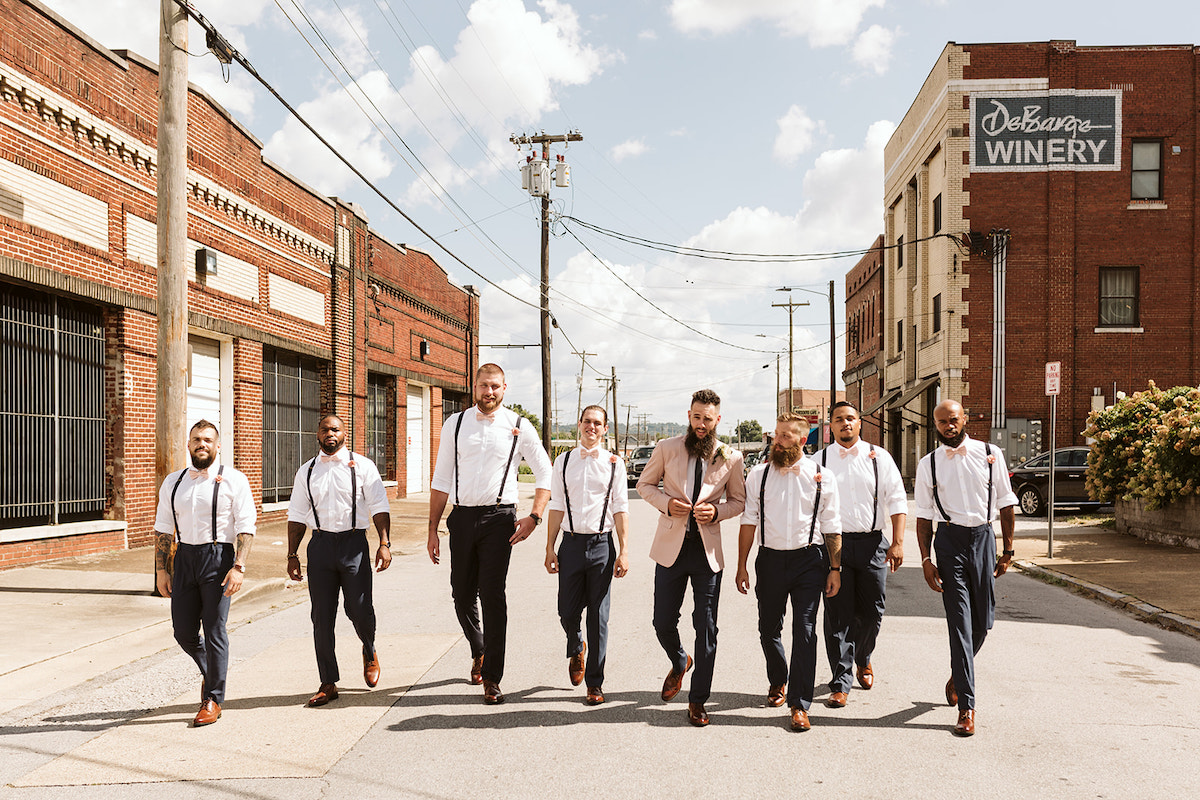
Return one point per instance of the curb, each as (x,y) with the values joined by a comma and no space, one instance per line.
(1134,606)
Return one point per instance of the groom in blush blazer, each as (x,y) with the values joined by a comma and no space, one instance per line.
(702,484)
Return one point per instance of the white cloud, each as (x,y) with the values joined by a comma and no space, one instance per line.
(822,22)
(648,35)
(797,135)
(873,48)
(630,148)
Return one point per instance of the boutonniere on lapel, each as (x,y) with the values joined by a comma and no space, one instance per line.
(871,454)
(516,431)
(612,459)
(817,477)
(991,459)
(722,451)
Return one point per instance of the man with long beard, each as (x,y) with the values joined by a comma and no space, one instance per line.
(793,505)
(702,484)
(972,490)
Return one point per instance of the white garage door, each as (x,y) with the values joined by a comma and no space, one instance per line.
(416,459)
(204,383)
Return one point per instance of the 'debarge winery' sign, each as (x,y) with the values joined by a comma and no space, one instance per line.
(1063,129)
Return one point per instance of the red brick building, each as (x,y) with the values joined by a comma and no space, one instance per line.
(863,375)
(307,309)
(1040,207)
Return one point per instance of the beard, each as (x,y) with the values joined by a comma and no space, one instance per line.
(951,442)
(703,448)
(203,461)
(786,456)
(329,448)
(488,406)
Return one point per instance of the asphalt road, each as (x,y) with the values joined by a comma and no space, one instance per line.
(1075,700)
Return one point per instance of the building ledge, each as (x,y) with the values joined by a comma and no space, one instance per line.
(34,532)
(1146,205)
(1118,330)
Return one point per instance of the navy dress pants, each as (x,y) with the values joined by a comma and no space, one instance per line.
(585,573)
(339,562)
(198,602)
(853,616)
(479,556)
(799,576)
(670,586)
(966,562)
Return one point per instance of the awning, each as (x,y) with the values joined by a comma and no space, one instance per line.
(908,396)
(880,403)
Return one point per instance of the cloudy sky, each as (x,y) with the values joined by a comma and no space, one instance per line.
(743,126)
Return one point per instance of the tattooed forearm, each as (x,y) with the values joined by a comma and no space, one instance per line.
(242,549)
(162,550)
(833,542)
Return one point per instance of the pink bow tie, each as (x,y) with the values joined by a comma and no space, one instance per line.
(846,452)
(589,453)
(479,415)
(794,469)
(197,474)
(326,458)
(961,450)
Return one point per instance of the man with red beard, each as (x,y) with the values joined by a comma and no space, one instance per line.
(477,466)
(973,489)
(702,484)
(793,505)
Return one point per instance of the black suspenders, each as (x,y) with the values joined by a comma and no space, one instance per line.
(353,493)
(612,477)
(762,507)
(216,492)
(507,466)
(933,479)
(875,468)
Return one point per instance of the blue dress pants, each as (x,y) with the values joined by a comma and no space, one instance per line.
(585,573)
(966,562)
(198,602)
(339,562)
(479,556)
(799,576)
(854,615)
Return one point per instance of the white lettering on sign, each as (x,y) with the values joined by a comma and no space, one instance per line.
(1030,121)
(1032,152)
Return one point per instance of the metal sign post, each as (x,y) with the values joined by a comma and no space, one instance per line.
(1053,385)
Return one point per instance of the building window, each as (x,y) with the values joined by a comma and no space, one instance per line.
(51,409)
(291,413)
(937,313)
(452,403)
(377,422)
(937,214)
(1118,297)
(899,252)
(1147,169)
(899,336)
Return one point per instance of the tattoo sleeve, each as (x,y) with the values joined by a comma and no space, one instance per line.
(242,549)
(833,542)
(162,550)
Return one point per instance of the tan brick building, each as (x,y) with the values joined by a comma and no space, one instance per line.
(863,375)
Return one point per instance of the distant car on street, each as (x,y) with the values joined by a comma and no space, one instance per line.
(752,458)
(1031,481)
(637,462)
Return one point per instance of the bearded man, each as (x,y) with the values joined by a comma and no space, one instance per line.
(702,484)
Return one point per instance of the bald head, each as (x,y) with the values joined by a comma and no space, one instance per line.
(950,422)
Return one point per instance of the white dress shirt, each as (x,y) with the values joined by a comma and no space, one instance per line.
(331,492)
(789,505)
(483,448)
(855,474)
(588,480)
(193,506)
(963,483)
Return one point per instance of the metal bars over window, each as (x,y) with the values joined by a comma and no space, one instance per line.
(291,413)
(377,422)
(53,405)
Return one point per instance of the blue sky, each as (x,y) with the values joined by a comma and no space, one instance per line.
(733,125)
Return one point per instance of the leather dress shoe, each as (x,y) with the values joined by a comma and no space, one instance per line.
(951,695)
(837,700)
(477,670)
(800,720)
(326,694)
(492,694)
(966,723)
(866,677)
(775,696)
(594,696)
(674,682)
(371,669)
(575,666)
(697,715)
(209,713)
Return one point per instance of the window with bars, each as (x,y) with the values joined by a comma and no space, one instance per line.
(291,413)
(377,422)
(52,408)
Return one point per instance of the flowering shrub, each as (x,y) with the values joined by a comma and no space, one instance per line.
(1146,445)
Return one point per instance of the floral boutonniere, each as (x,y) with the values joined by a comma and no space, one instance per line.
(991,459)
(817,477)
(612,459)
(871,454)
(722,451)
(516,431)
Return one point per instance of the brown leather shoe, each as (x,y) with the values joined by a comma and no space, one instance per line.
(674,682)
(866,677)
(800,720)
(575,666)
(966,723)
(371,670)
(492,694)
(775,696)
(697,715)
(326,694)
(951,695)
(837,700)
(209,713)
(594,696)
(477,670)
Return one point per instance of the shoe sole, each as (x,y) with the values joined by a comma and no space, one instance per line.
(324,702)
(493,701)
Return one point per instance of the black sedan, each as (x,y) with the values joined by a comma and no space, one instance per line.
(1031,481)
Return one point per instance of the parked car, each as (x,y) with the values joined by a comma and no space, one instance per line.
(637,462)
(752,458)
(1031,481)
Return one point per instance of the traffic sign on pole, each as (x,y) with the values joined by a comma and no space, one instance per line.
(1053,377)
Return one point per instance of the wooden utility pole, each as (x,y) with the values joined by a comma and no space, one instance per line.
(628,411)
(545,141)
(579,401)
(832,366)
(616,422)
(790,306)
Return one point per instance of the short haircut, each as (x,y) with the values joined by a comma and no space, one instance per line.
(598,408)
(706,397)
(489,369)
(845,404)
(203,424)
(792,416)
(330,415)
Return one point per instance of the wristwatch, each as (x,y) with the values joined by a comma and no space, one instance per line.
(838,568)
(536,519)
(1008,552)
